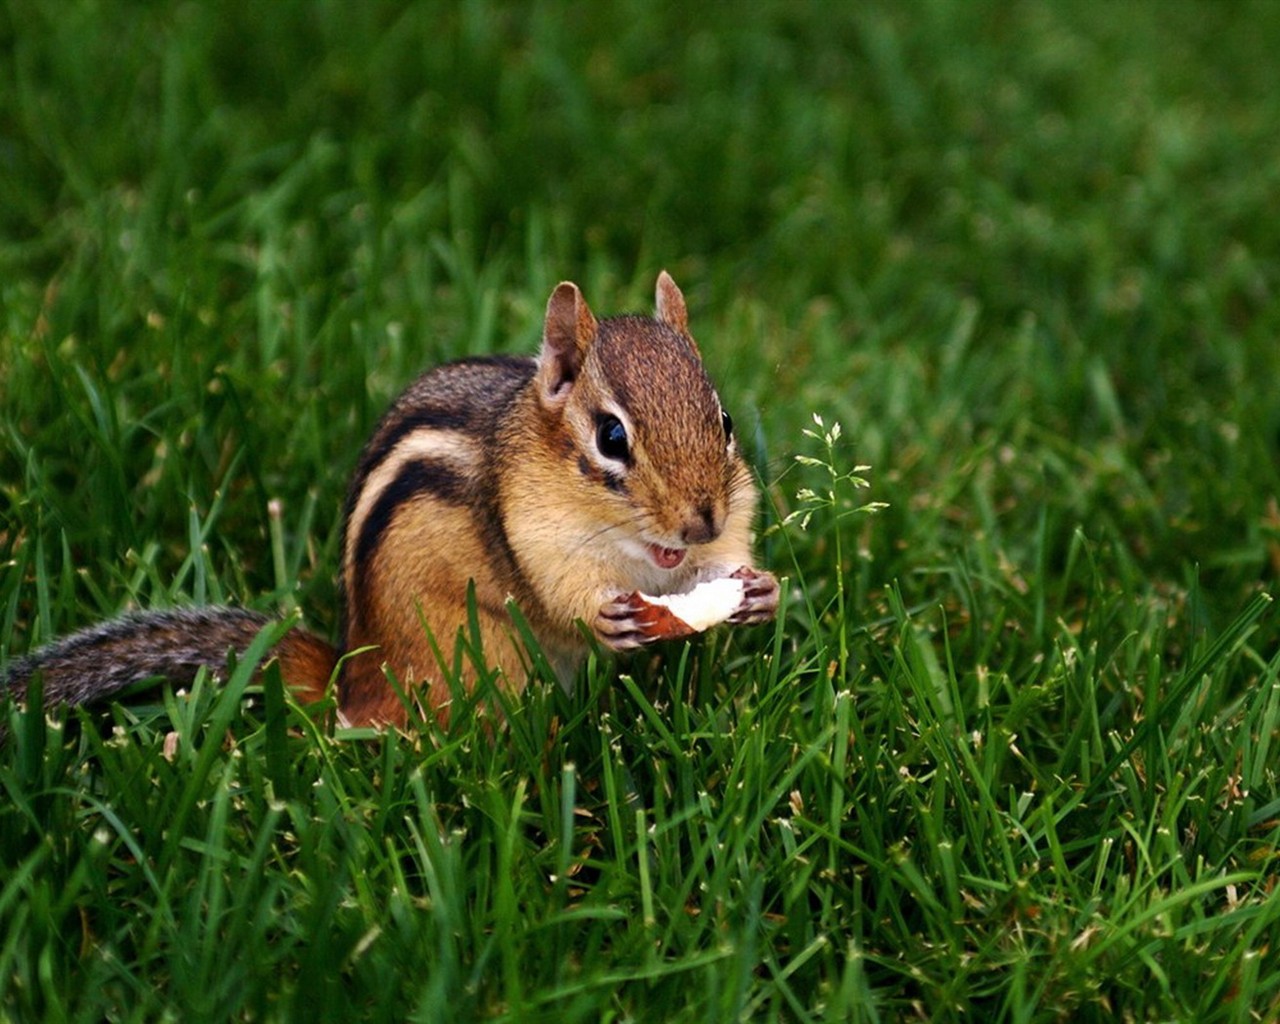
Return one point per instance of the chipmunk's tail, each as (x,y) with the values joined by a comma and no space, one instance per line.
(95,663)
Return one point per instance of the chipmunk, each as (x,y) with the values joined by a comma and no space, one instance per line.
(575,482)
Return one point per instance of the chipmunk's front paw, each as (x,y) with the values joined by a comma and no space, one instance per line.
(759,596)
(629,621)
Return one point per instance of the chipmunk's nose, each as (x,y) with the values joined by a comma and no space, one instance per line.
(701,526)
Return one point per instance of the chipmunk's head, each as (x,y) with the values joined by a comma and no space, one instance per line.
(641,425)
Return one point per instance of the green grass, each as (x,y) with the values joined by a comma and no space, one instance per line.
(1012,752)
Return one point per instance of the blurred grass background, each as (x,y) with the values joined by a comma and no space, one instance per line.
(1025,254)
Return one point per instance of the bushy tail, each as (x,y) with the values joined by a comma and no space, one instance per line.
(93,664)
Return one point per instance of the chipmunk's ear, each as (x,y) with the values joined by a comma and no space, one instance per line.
(567,333)
(670,305)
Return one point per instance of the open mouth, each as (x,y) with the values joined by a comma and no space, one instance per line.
(665,558)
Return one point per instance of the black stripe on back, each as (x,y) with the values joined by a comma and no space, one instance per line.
(455,396)
(432,418)
(419,477)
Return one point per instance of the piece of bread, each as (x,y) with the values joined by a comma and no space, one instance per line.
(706,605)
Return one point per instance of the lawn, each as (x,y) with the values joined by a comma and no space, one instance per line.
(1011,753)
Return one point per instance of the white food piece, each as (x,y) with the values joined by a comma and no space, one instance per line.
(705,605)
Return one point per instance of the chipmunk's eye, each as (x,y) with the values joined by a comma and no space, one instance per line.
(611,437)
(726,421)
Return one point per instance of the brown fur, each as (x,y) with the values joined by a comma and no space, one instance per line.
(486,473)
